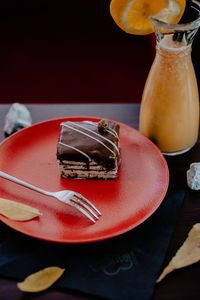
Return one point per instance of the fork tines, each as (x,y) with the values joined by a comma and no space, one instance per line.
(85,206)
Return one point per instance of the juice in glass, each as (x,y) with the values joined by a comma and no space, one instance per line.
(169,113)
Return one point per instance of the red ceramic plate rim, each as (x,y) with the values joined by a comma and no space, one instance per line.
(100,236)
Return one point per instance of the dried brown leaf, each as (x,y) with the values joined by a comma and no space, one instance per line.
(188,253)
(17,211)
(40,280)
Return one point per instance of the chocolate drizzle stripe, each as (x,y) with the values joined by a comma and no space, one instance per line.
(76,149)
(84,133)
(113,132)
(99,135)
(110,130)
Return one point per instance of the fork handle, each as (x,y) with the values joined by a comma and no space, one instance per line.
(26,184)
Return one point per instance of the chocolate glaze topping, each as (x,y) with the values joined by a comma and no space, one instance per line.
(82,142)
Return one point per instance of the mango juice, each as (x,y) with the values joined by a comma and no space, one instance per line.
(169,113)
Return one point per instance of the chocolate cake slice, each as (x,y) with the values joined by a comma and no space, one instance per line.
(88,149)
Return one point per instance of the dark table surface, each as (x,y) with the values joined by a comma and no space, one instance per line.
(181,284)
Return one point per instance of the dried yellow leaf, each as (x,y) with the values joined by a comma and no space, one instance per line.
(40,280)
(17,211)
(188,253)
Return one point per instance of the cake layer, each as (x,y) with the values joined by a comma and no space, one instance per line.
(83,166)
(84,173)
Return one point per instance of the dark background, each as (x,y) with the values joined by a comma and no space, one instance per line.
(70,51)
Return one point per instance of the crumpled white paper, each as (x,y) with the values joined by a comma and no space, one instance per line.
(17,114)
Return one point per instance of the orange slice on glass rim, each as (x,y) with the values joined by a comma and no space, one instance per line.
(133,16)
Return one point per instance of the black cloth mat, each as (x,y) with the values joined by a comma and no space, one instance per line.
(125,267)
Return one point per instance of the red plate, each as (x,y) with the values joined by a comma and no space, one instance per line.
(30,154)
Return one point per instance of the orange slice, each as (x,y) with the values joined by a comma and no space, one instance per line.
(132,16)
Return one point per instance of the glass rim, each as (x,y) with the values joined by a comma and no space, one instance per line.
(179,27)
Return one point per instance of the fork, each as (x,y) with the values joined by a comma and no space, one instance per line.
(72,198)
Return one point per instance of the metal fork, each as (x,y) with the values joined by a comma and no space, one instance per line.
(72,198)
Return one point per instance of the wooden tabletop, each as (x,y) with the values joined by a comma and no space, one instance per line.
(181,284)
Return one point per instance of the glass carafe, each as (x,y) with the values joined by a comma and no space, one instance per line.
(169,113)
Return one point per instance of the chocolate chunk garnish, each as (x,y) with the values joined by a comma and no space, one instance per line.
(103,125)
